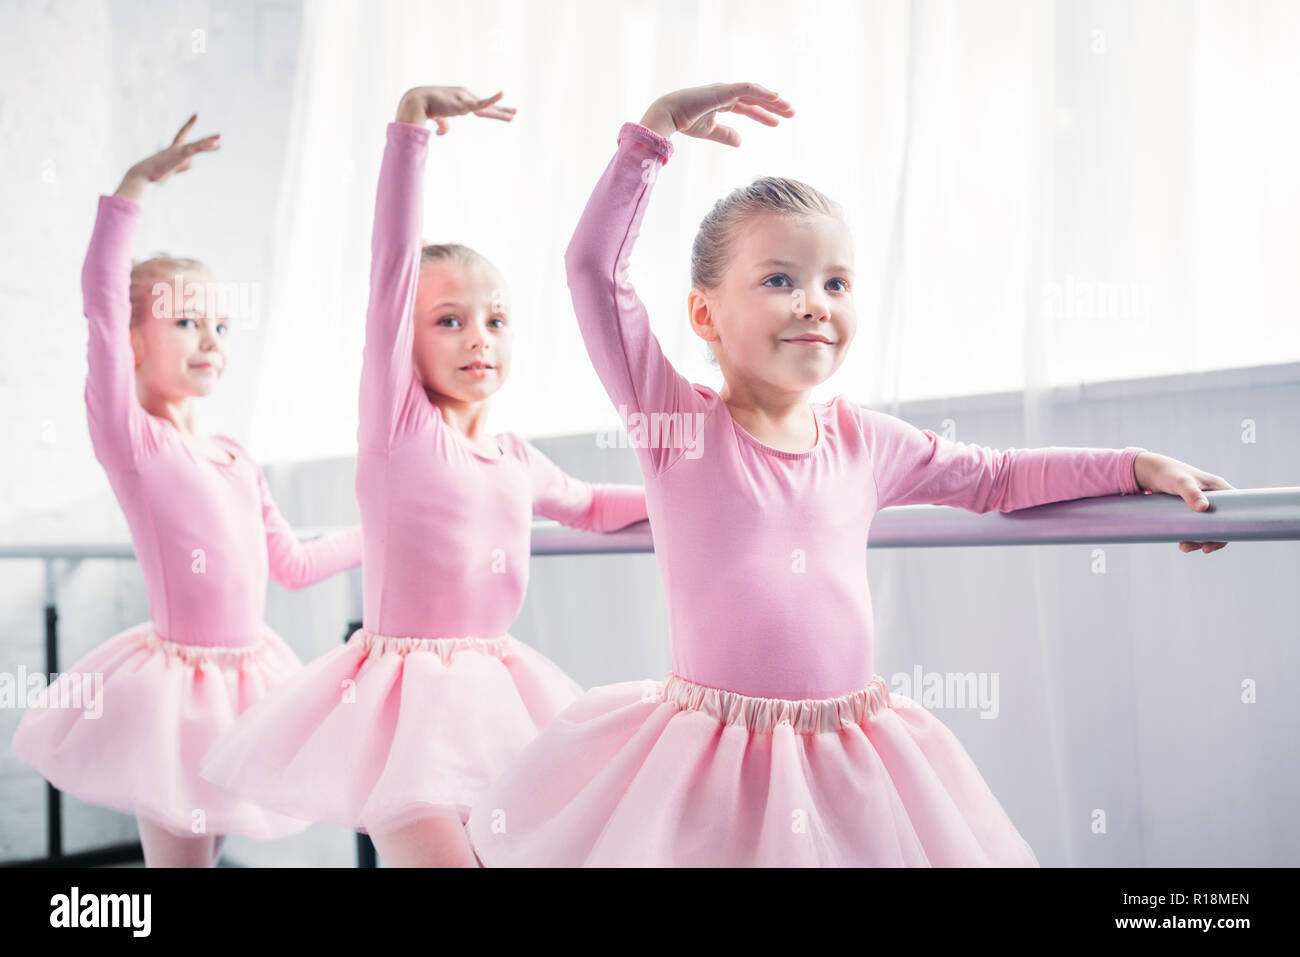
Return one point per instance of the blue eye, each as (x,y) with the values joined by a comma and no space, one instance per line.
(181,322)
(843,282)
(780,275)
(223,328)
(445,319)
(498,319)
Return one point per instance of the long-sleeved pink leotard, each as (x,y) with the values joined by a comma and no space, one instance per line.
(763,552)
(206,533)
(447,529)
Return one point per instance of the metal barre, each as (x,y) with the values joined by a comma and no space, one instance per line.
(1239,515)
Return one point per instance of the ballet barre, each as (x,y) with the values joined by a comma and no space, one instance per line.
(1238,515)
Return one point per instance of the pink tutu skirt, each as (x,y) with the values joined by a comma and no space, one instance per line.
(384,730)
(125,728)
(677,774)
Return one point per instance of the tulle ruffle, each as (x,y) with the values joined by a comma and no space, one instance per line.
(160,706)
(677,774)
(384,730)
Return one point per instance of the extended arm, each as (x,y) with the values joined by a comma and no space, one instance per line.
(294,563)
(918,467)
(590,506)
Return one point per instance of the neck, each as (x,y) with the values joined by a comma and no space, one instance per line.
(762,402)
(467,418)
(178,411)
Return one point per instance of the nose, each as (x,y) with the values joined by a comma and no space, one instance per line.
(479,338)
(816,305)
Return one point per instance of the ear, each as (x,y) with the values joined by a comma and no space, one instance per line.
(700,312)
(137,345)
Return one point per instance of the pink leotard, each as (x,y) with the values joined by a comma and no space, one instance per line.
(763,552)
(206,533)
(447,529)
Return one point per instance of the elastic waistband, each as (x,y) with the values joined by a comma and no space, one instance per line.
(203,654)
(445,648)
(803,715)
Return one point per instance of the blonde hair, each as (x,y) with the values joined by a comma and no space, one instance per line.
(711,252)
(146,273)
(770,194)
(452,252)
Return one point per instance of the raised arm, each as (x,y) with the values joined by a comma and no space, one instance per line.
(393,403)
(120,431)
(293,563)
(914,466)
(613,320)
(590,506)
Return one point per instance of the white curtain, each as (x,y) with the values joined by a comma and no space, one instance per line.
(1043,195)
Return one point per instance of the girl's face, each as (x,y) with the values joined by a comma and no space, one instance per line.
(181,343)
(783,315)
(463,332)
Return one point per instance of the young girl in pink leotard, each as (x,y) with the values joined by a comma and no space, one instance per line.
(397,732)
(772,741)
(206,533)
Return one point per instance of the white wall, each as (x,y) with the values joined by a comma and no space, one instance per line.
(88,87)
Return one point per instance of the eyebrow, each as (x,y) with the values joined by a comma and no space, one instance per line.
(454,302)
(787,264)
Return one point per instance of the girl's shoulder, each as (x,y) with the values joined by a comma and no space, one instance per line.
(510,442)
(234,447)
(852,419)
(706,392)
(514,445)
(852,409)
(711,398)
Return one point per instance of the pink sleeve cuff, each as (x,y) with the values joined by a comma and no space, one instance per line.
(119,203)
(1128,470)
(419,135)
(647,138)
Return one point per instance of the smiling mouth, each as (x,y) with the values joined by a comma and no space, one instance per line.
(477,367)
(811,340)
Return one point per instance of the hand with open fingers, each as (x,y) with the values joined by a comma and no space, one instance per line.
(176,158)
(1160,473)
(439,102)
(693,111)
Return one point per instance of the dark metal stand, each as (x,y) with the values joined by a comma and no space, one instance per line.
(366,856)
